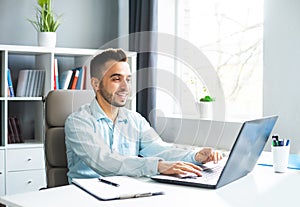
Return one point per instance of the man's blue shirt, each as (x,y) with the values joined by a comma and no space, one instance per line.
(97,146)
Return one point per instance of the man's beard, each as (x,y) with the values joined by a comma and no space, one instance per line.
(109,97)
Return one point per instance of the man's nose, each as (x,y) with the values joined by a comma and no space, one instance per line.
(125,84)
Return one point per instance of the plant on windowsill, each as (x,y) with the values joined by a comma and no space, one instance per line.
(46,23)
(205,106)
(207,99)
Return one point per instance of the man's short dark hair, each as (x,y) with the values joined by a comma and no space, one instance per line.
(97,66)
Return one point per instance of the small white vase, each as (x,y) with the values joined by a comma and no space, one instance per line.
(47,39)
(205,110)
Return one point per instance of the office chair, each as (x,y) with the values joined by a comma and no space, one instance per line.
(59,104)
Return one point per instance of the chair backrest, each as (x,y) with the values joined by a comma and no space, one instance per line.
(59,105)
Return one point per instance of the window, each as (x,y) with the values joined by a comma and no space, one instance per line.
(229,33)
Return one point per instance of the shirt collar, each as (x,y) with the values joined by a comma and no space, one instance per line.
(98,112)
(122,116)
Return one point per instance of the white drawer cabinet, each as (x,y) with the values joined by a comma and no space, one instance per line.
(24,181)
(25,169)
(25,159)
(2,179)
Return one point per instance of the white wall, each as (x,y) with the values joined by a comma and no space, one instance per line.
(282,67)
(85,24)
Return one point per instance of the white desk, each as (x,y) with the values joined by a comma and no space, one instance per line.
(262,187)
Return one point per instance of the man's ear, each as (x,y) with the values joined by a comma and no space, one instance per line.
(95,82)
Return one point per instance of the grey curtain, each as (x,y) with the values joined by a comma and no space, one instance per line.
(142,24)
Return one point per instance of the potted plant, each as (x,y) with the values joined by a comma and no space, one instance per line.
(46,23)
(205,106)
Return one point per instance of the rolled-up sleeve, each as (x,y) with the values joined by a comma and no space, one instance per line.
(151,144)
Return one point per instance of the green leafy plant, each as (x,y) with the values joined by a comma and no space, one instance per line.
(206,98)
(45,20)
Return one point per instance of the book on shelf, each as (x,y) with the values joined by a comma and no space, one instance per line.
(34,86)
(14,130)
(73,79)
(10,135)
(30,83)
(65,79)
(22,82)
(41,81)
(10,91)
(81,78)
(55,72)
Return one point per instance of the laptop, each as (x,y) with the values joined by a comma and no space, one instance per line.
(241,160)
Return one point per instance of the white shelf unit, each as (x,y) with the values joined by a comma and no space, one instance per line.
(22,165)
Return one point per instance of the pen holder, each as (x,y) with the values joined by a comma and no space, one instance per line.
(280,158)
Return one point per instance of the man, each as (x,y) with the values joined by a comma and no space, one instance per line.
(103,138)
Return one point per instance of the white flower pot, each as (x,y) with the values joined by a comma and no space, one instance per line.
(47,39)
(205,109)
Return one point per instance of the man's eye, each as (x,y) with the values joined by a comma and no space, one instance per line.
(115,78)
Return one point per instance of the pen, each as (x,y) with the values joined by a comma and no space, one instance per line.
(108,182)
(140,195)
(287,142)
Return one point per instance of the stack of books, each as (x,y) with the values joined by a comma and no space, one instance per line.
(14,131)
(30,83)
(69,79)
(72,79)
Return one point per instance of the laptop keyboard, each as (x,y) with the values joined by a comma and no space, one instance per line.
(208,173)
(212,173)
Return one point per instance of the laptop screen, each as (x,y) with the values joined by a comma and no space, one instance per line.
(247,148)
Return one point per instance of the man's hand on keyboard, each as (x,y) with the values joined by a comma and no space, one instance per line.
(180,168)
(207,155)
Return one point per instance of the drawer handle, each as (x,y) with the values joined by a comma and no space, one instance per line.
(29,181)
(29,159)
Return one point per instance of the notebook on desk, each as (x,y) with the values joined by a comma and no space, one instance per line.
(116,187)
(241,160)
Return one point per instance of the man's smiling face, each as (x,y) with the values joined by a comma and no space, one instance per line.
(115,83)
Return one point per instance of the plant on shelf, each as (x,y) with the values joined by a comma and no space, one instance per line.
(45,19)
(46,22)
